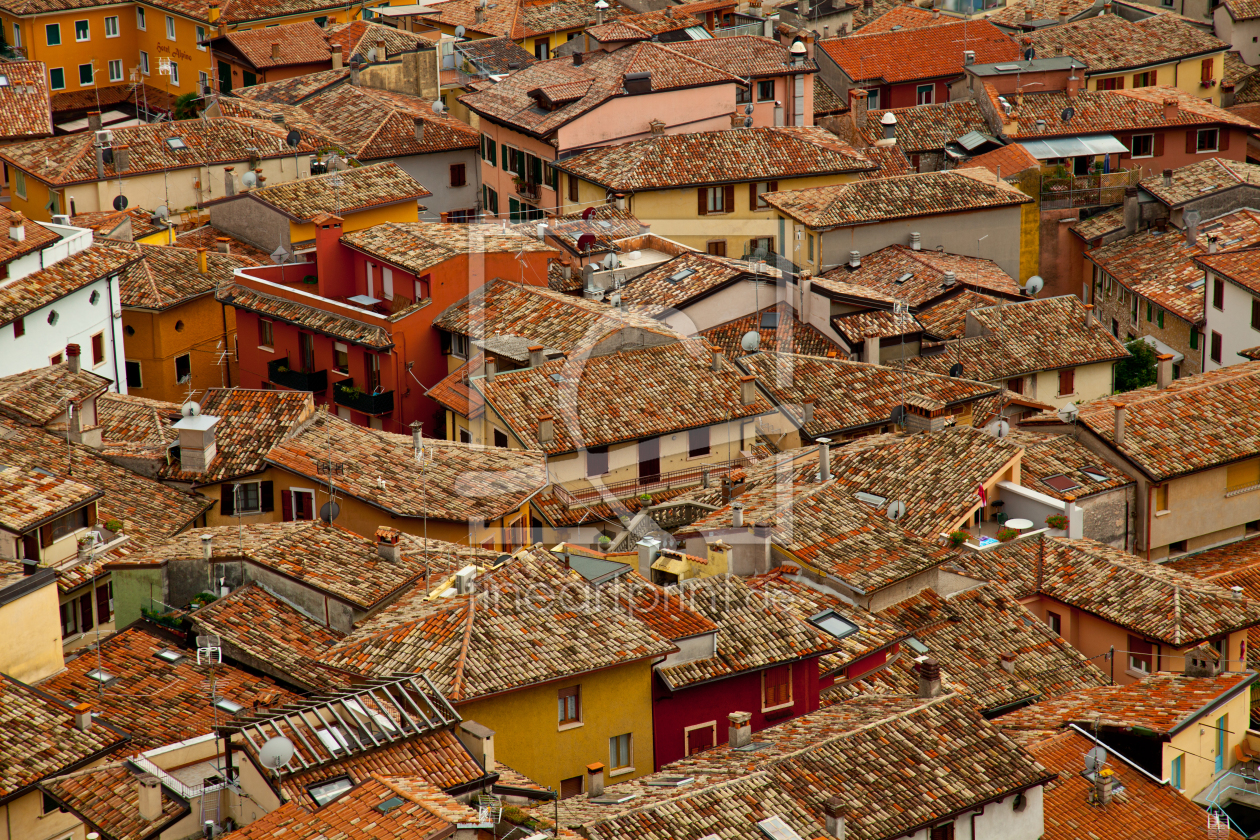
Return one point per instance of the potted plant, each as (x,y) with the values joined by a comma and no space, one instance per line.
(957,538)
(113,525)
(350,390)
(646,498)
(1007,534)
(1057,521)
(604,541)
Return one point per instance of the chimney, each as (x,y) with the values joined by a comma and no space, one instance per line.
(1104,783)
(969,57)
(833,811)
(94,120)
(229,183)
(657,127)
(950,280)
(1007,661)
(72,357)
(807,410)
(868,4)
(100,163)
(1118,432)
(715,358)
(857,107)
(824,459)
(594,780)
(536,357)
(1202,661)
(1238,592)
(417,438)
(17,227)
(224,244)
(491,366)
(747,390)
(577,59)
(275,51)
(1028,14)
(546,429)
(336,58)
(889,124)
(122,158)
(213,16)
(1073,85)
(870,348)
(737,515)
(916,242)
(1211,240)
(381,54)
(1063,14)
(855,260)
(84,552)
(648,549)
(479,740)
(387,547)
(419,129)
(740,729)
(1191,219)
(1168,177)
(1089,315)
(149,796)
(203,261)
(1164,368)
(929,678)
(1131,210)
(1170,109)
(197,446)
(83,717)
(207,547)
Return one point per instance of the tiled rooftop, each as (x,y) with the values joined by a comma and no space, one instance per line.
(928,128)
(39,396)
(907,55)
(104,222)
(1099,225)
(1110,43)
(690,277)
(360,38)
(886,271)
(1198,422)
(643,26)
(381,125)
(1011,159)
(294,90)
(1048,456)
(495,55)
(30,716)
(208,237)
(1242,267)
(1108,111)
(453,482)
(299,43)
(891,161)
(626,395)
(163,276)
(36,236)
(25,108)
(130,422)
(107,799)
(23,296)
(1023,338)
(419,246)
(156,701)
(747,56)
(1191,182)
(780,331)
(1234,564)
(945,319)
(906,16)
(672,161)
(340,193)
(900,197)
(1148,599)
(500,637)
(29,498)
(850,396)
(311,317)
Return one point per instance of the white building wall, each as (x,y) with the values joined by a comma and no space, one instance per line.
(1233,323)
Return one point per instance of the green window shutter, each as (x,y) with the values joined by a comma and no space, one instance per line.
(492,151)
(514,210)
(1160,316)
(507,152)
(1194,339)
(535,165)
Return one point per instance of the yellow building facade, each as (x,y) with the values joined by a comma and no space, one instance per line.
(31,628)
(1187,75)
(197,336)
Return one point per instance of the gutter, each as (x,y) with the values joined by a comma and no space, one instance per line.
(1116,752)
(1193,717)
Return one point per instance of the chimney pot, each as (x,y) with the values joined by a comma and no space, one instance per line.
(1007,661)
(1089,315)
(715,358)
(747,390)
(207,547)
(1164,370)
(929,678)
(595,780)
(1104,784)
(737,515)
(94,120)
(72,357)
(1063,14)
(17,227)
(1118,431)
(546,429)
(418,126)
(1170,109)
(1131,211)
(536,357)
(824,459)
(387,544)
(1238,592)
(740,730)
(833,811)
(224,244)
(83,717)
(417,438)
(491,366)
(203,261)
(870,348)
(916,242)
(1168,173)
(149,796)
(229,183)
(275,51)
(855,259)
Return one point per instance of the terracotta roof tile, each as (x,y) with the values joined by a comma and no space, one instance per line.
(298,43)
(1107,111)
(208,237)
(38,397)
(313,318)
(105,222)
(35,236)
(1235,564)
(493,56)
(419,246)
(1190,182)
(378,124)
(1046,456)
(26,294)
(928,128)
(295,90)
(163,276)
(1013,14)
(1110,43)
(945,319)
(340,193)
(360,37)
(29,498)
(863,16)
(106,797)
(665,611)
(927,53)
(747,56)
(885,271)
(25,107)
(157,100)
(827,101)
(780,331)
(1242,266)
(1099,225)
(906,17)
(643,26)
(1011,159)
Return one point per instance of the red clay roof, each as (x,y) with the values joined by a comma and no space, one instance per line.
(929,53)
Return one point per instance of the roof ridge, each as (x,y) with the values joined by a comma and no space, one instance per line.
(1158,394)
(462,660)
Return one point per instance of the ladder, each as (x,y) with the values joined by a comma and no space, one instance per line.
(211,795)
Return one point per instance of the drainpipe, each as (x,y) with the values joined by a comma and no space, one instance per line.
(1148,522)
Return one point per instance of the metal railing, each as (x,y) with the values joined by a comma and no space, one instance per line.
(637,486)
(1061,190)
(528,191)
(345,393)
(279,373)
(753,28)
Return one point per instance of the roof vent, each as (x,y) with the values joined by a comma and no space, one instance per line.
(636,83)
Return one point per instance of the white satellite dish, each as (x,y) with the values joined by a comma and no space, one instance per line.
(162,213)
(459,32)
(751,341)
(1003,428)
(439,107)
(1068,413)
(1035,284)
(1095,759)
(896,510)
(276,753)
(611,262)
(190,409)
(279,256)
(250,179)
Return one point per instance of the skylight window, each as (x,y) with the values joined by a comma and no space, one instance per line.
(1060,482)
(390,804)
(903,278)
(681,275)
(1007,68)
(830,621)
(101,676)
(176,144)
(613,798)
(776,829)
(769,320)
(4,81)
(229,706)
(916,646)
(752,746)
(326,792)
(1095,473)
(669,781)
(172,656)
(332,738)
(869,498)
(376,717)
(1196,284)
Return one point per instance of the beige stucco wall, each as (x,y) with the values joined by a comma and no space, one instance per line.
(1197,743)
(31,632)
(1184,75)
(1200,512)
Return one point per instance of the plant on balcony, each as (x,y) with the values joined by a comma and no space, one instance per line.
(604,541)
(957,538)
(351,390)
(518,181)
(113,525)
(646,498)
(1007,534)
(282,368)
(310,279)
(1057,521)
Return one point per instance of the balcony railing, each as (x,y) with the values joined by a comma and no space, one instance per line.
(279,373)
(528,191)
(653,484)
(345,393)
(1060,190)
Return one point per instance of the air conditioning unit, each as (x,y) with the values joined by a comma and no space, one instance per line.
(104,137)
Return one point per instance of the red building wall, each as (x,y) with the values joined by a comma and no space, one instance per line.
(906,95)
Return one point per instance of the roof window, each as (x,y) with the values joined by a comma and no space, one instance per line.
(390,804)
(680,276)
(1060,482)
(1095,473)
(776,829)
(172,657)
(229,706)
(830,621)
(176,143)
(669,781)
(769,320)
(327,791)
(101,676)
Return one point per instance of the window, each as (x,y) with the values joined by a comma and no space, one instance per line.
(571,787)
(183,368)
(872,99)
(1161,499)
(175,73)
(459,345)
(942,832)
(509,159)
(573,188)
(1206,140)
(757,190)
(743,95)
(326,791)
(98,349)
(203,81)
(776,688)
(465,436)
(85,75)
(716,247)
(923,94)
(201,36)
(57,78)
(458,175)
(140,24)
(265,334)
(1016,385)
(1067,382)
(66,525)
(115,70)
(1146,79)
(144,62)
(248,497)
(1159,317)
(492,202)
(809,247)
(597,460)
(570,705)
(716,199)
(1216,347)
(619,752)
(111,26)
(1243,475)
(765,91)
(1143,145)
(1205,70)
(341,357)
(134,380)
(1178,772)
(82,32)
(19,183)
(542,48)
(500,439)
(1054,621)
(491,149)
(1141,660)
(19,327)
(48,805)
(1218,293)
(830,621)
(1194,339)
(698,442)
(1116,83)
(763,245)
(17,35)
(170,28)
(52,33)
(1255,314)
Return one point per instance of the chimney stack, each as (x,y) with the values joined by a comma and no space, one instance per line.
(1164,370)
(1007,661)
(929,678)
(833,811)
(224,244)
(197,446)
(747,390)
(715,360)
(536,358)
(387,547)
(1089,315)
(857,107)
(916,242)
(207,547)
(1131,211)
(855,260)
(72,357)
(1028,14)
(824,459)
(229,183)
(1168,177)
(381,54)
(94,120)
(1170,109)
(275,51)
(1118,432)
(149,796)
(1238,592)
(594,780)
(491,369)
(740,730)
(889,124)
(203,261)
(83,717)
(737,515)
(807,410)
(969,57)
(17,227)
(1104,784)
(417,438)
(546,429)
(1063,14)
(122,158)
(419,129)
(870,348)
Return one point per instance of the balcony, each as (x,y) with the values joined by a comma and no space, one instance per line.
(345,393)
(279,373)
(528,191)
(701,475)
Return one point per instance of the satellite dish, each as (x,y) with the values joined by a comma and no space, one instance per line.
(1035,284)
(1095,759)
(439,107)
(293,138)
(748,122)
(276,753)
(586,241)
(751,341)
(896,510)
(279,256)
(328,511)
(250,179)
(190,409)
(1068,413)
(611,262)
(459,32)
(1003,428)
(587,213)
(635,256)
(956,370)
(162,212)
(120,202)
(898,415)
(1067,114)
(1030,53)
(749,108)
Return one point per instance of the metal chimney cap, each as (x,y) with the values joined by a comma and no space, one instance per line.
(889,118)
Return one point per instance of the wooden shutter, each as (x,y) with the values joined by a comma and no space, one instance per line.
(102,603)
(1159,144)
(752,196)
(45,536)
(266,496)
(1205,70)
(286,506)
(703,195)
(573,188)
(1192,137)
(1222,140)
(85,612)
(227,503)
(728,194)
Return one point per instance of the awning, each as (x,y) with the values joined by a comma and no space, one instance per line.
(973,140)
(697,33)
(1068,147)
(1161,348)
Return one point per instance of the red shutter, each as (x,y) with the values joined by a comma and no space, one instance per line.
(1127,140)
(1120,83)
(1222,141)
(1205,70)
(102,603)
(729,195)
(703,195)
(1191,145)
(752,196)
(1159,144)
(774,186)
(286,506)
(85,612)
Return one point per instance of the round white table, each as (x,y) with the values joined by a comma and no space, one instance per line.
(1019,524)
